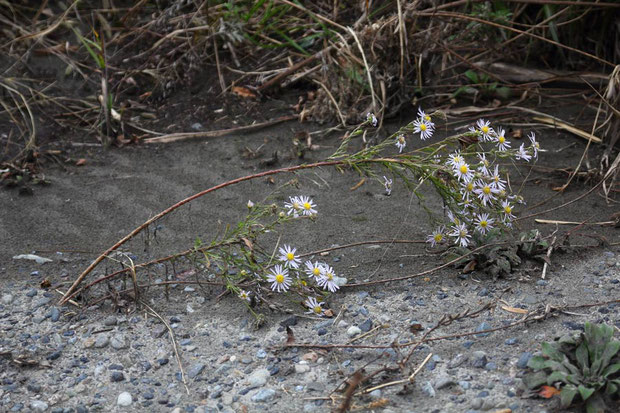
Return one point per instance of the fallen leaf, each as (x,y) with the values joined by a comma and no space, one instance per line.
(244,92)
(426,279)
(471,265)
(415,327)
(290,338)
(328,313)
(517,134)
(548,391)
(514,310)
(80,162)
(45,283)
(311,356)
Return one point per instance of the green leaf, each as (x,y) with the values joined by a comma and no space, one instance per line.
(614,368)
(472,76)
(535,380)
(596,405)
(557,376)
(503,92)
(609,352)
(582,355)
(611,388)
(585,392)
(550,350)
(536,362)
(567,395)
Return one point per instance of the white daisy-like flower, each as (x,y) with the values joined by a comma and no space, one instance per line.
(507,211)
(453,218)
(461,235)
(425,117)
(307,205)
(314,307)
(467,190)
(388,185)
(484,166)
(465,205)
(313,269)
(485,129)
(463,172)
(279,279)
(455,159)
(483,223)
(486,193)
(436,237)
(522,153)
(496,180)
(244,295)
(288,257)
(293,206)
(250,204)
(326,281)
(502,143)
(372,119)
(424,128)
(535,145)
(401,142)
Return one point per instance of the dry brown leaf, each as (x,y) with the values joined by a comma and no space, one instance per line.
(548,391)
(80,162)
(471,265)
(328,313)
(46,283)
(514,309)
(244,92)
(311,356)
(290,337)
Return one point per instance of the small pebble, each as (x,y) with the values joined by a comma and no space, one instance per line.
(124,399)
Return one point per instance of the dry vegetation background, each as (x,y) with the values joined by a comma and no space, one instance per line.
(97,68)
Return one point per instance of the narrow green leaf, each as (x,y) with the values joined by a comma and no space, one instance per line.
(472,76)
(550,350)
(614,368)
(582,355)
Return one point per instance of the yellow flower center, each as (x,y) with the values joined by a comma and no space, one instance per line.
(485,129)
(501,139)
(463,169)
(316,271)
(427,118)
(423,127)
(486,190)
(496,178)
(307,205)
(438,237)
(317,309)
(290,256)
(483,224)
(279,278)
(508,209)
(401,139)
(470,187)
(462,233)
(329,276)
(295,205)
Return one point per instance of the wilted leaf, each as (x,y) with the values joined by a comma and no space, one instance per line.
(567,395)
(471,265)
(548,391)
(80,162)
(514,310)
(290,338)
(244,92)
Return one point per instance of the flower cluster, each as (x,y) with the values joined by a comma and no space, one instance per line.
(481,192)
(300,205)
(423,125)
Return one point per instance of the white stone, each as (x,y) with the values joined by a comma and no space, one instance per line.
(353,331)
(259,377)
(343,324)
(302,367)
(124,399)
(38,405)
(7,299)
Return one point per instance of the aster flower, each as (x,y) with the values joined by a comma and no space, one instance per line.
(467,189)
(461,235)
(287,255)
(522,153)
(294,206)
(453,218)
(496,181)
(388,186)
(372,119)
(484,127)
(507,211)
(502,143)
(401,142)
(424,117)
(483,223)
(279,279)
(455,159)
(313,269)
(314,307)
(436,237)
(484,166)
(535,145)
(307,205)
(463,172)
(250,204)
(326,281)
(486,193)
(424,128)
(244,295)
